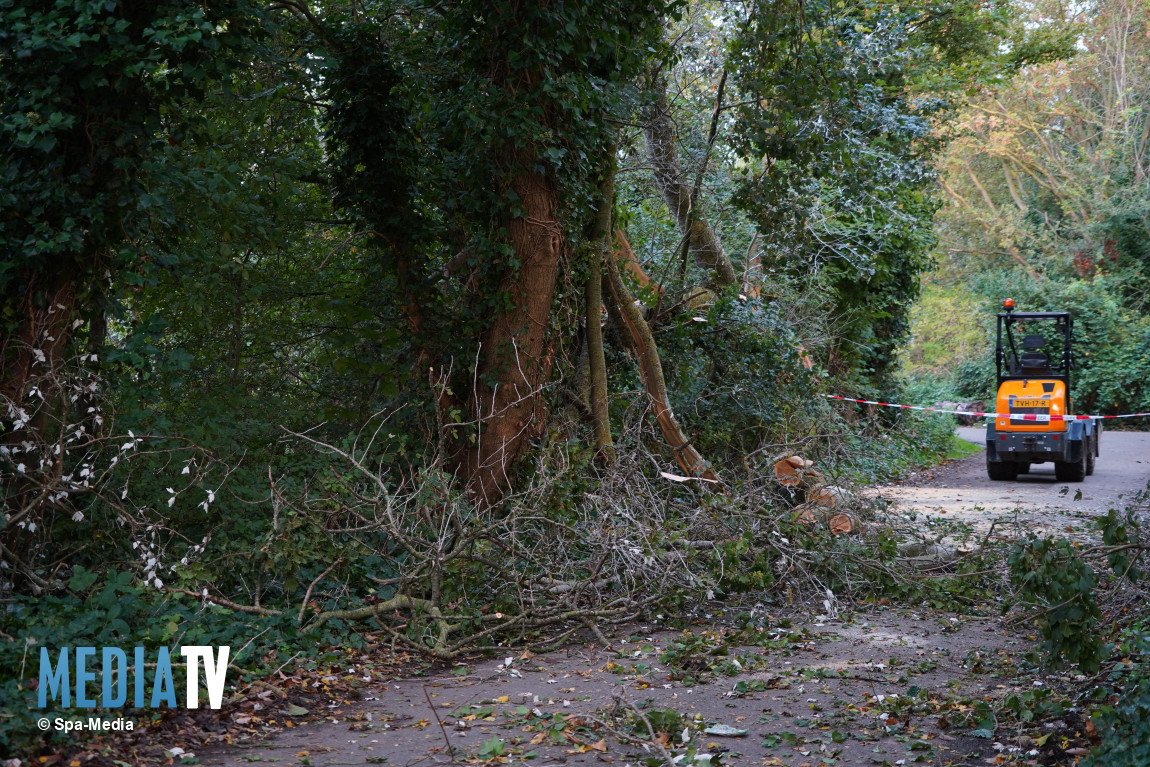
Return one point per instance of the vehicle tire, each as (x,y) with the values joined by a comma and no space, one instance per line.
(1023,468)
(1071,471)
(1002,471)
(1089,457)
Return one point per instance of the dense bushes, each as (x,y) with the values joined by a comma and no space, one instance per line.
(1111,340)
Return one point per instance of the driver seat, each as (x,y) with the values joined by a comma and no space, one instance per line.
(1033,361)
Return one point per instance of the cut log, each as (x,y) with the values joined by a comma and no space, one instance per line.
(792,470)
(845,524)
(837,522)
(830,496)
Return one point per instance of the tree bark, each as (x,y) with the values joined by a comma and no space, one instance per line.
(33,354)
(702,243)
(44,327)
(625,255)
(651,369)
(601,237)
(512,352)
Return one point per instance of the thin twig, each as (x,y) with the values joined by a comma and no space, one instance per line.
(307,595)
(447,740)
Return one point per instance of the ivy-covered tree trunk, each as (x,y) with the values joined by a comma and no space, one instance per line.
(515,361)
(502,166)
(546,66)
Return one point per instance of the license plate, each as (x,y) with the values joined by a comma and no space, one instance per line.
(1030,403)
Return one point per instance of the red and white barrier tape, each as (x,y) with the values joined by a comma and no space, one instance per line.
(1037,417)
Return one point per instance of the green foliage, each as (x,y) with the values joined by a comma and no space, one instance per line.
(117,609)
(894,444)
(1034,705)
(742,566)
(1117,532)
(666,720)
(693,656)
(715,369)
(1125,730)
(492,748)
(975,379)
(842,184)
(87,92)
(948,326)
(1124,725)
(1049,572)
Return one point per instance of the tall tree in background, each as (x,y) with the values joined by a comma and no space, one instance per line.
(838,125)
(1049,174)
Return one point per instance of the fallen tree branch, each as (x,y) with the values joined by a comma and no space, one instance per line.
(651,370)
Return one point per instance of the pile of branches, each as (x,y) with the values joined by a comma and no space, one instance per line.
(550,562)
(567,553)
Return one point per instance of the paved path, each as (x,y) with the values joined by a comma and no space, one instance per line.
(961,490)
(827,691)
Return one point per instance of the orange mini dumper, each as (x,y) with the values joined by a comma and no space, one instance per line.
(1033,360)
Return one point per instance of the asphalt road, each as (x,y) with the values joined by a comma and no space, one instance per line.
(961,489)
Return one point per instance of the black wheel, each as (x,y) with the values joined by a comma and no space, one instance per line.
(1002,471)
(1071,471)
(1024,468)
(1089,445)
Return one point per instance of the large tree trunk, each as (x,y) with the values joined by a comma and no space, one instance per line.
(702,243)
(513,349)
